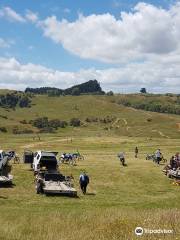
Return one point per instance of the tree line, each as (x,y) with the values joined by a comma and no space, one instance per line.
(46,125)
(162,103)
(14,99)
(90,87)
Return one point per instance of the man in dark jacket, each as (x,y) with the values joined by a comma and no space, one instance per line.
(136,152)
(83,181)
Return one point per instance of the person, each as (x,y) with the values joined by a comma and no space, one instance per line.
(158,155)
(136,152)
(172,162)
(122,158)
(83,181)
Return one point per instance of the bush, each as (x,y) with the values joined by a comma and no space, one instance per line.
(11,100)
(46,125)
(56,123)
(16,130)
(2,116)
(75,91)
(46,130)
(40,122)
(3,129)
(75,122)
(24,102)
(23,122)
(149,120)
(110,93)
(91,119)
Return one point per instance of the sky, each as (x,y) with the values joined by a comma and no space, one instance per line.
(125,45)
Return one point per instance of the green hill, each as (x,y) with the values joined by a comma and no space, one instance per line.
(98,115)
(119,198)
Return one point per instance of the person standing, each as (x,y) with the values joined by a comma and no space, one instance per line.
(158,156)
(121,158)
(83,181)
(136,152)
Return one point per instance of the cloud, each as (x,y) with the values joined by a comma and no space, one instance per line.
(146,30)
(66,10)
(5,43)
(31,16)
(156,76)
(11,15)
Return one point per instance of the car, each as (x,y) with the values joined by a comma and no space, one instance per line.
(45,159)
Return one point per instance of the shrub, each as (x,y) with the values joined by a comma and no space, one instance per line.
(110,93)
(46,125)
(75,91)
(23,121)
(24,102)
(46,130)
(16,130)
(3,129)
(75,122)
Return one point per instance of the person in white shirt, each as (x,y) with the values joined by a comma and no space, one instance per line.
(121,158)
(158,155)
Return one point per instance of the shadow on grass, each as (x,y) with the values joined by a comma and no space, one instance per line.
(61,195)
(7,185)
(91,194)
(2,197)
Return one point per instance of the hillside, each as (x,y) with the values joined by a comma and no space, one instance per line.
(89,87)
(119,198)
(98,115)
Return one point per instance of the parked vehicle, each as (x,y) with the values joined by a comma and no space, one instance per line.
(53,182)
(5,168)
(45,159)
(48,178)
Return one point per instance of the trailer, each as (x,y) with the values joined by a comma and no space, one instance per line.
(48,178)
(5,168)
(54,183)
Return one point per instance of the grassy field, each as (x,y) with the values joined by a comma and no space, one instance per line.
(127,121)
(119,198)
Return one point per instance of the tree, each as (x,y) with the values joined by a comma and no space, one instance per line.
(24,102)
(110,93)
(75,91)
(143,90)
(75,122)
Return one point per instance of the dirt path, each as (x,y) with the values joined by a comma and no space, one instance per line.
(115,122)
(160,133)
(31,145)
(178,125)
(125,121)
(126,124)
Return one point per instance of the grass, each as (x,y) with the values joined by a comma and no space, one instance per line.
(128,122)
(119,200)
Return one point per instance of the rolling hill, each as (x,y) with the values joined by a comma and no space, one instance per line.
(119,198)
(98,115)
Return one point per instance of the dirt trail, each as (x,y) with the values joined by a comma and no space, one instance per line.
(126,124)
(160,133)
(117,121)
(178,125)
(125,121)
(31,145)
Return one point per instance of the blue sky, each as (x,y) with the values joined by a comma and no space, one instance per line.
(35,39)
